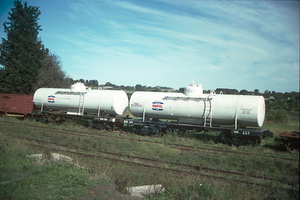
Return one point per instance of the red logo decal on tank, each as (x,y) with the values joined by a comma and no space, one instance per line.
(157,105)
(51,99)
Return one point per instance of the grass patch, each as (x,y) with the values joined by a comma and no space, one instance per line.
(21,175)
(22,178)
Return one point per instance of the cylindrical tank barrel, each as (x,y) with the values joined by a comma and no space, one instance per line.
(245,110)
(113,102)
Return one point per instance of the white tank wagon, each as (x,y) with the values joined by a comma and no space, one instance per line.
(79,100)
(206,109)
(193,109)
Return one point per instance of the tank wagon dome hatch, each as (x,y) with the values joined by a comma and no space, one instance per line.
(193,90)
(78,87)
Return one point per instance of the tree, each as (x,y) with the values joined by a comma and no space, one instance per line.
(244,92)
(139,87)
(256,92)
(20,53)
(50,74)
(227,91)
(267,94)
(278,116)
(93,83)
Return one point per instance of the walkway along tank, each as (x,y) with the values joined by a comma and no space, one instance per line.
(230,114)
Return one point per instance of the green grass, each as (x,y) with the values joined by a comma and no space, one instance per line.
(22,178)
(20,174)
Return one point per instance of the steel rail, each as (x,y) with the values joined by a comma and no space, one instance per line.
(175,146)
(194,168)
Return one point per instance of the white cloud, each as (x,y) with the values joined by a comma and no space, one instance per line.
(220,43)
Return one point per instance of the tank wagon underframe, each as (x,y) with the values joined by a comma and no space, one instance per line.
(107,122)
(228,135)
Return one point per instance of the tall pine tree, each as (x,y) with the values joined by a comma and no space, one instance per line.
(21,52)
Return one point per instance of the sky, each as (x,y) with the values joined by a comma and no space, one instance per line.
(219,44)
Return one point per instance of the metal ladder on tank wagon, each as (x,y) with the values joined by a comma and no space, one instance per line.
(207,112)
(81,104)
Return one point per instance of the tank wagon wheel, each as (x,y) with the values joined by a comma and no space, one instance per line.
(157,132)
(108,127)
(97,126)
(164,131)
(222,138)
(254,141)
(248,142)
(225,138)
(147,130)
(182,132)
(57,119)
(102,126)
(137,130)
(45,119)
(169,130)
(144,131)
(237,142)
(258,141)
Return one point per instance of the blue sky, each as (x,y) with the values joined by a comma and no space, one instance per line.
(220,44)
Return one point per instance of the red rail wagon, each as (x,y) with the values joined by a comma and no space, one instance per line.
(15,104)
(291,140)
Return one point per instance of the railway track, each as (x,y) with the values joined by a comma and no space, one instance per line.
(195,170)
(175,146)
(228,176)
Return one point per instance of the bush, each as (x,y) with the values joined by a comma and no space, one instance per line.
(278,116)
